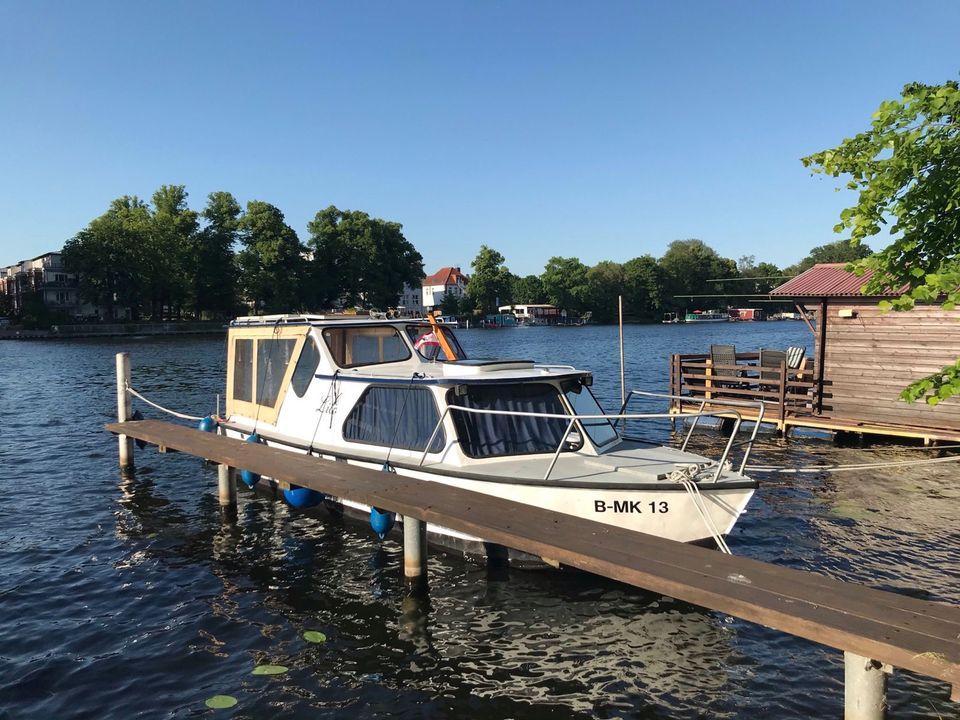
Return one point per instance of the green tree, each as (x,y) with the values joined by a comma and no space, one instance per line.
(360,260)
(490,284)
(643,287)
(906,168)
(213,270)
(759,278)
(840,251)
(168,254)
(565,283)
(109,256)
(450,305)
(605,284)
(272,265)
(528,290)
(686,267)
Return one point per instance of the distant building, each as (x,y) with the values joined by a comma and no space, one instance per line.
(411,301)
(539,314)
(45,279)
(446,281)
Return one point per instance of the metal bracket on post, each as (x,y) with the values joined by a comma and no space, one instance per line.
(864,688)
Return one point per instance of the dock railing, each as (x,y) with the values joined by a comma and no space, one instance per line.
(695,380)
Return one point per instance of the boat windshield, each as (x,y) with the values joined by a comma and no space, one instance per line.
(583,402)
(483,435)
(427,341)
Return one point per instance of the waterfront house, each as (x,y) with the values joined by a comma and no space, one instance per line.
(446,281)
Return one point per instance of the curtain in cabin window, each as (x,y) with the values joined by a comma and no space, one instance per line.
(483,435)
(400,417)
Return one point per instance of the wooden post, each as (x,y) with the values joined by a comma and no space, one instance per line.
(227,482)
(708,383)
(783,395)
(415,551)
(124,409)
(864,688)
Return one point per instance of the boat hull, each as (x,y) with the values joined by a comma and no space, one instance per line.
(668,510)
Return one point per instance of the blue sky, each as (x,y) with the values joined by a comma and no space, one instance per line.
(598,130)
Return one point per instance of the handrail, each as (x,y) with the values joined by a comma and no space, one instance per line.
(738,420)
(574,417)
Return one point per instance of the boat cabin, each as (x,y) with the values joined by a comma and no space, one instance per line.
(389,384)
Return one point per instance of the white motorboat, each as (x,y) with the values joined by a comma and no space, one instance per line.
(401,395)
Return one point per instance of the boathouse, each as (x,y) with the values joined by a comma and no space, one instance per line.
(862,359)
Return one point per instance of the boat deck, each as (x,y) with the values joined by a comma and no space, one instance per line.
(906,632)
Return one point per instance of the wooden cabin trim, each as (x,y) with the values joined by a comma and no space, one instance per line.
(267,413)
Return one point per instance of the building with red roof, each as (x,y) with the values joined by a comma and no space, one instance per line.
(445,281)
(865,357)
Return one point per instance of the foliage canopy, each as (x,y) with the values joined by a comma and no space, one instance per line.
(906,170)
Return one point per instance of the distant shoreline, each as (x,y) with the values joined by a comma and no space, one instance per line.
(62,332)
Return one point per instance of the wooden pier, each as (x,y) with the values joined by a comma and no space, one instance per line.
(876,630)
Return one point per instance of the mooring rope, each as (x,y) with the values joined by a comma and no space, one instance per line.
(849,468)
(685,476)
(182,416)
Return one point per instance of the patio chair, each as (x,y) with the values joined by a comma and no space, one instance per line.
(724,377)
(795,357)
(770,359)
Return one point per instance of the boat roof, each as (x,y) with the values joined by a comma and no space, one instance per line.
(319,319)
(470,371)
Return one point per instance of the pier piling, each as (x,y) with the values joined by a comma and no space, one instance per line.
(864,688)
(124,409)
(227,481)
(415,551)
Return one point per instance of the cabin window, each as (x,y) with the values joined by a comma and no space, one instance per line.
(399,417)
(483,435)
(273,357)
(583,402)
(306,368)
(243,370)
(427,343)
(355,346)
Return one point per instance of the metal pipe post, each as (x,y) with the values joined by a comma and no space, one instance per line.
(623,384)
(124,409)
(864,688)
(415,551)
(227,481)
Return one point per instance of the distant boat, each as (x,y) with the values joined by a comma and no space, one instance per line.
(706,316)
(671,318)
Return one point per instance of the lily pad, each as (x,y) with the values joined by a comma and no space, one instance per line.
(851,512)
(218,702)
(269,670)
(314,636)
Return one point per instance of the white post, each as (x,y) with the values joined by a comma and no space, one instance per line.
(864,688)
(414,551)
(124,409)
(623,385)
(227,481)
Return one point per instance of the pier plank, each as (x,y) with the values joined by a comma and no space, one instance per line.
(906,632)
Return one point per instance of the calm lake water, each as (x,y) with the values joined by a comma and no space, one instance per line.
(129,597)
